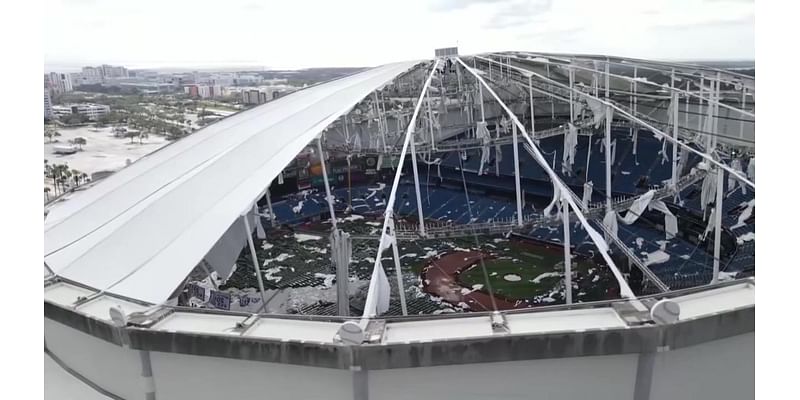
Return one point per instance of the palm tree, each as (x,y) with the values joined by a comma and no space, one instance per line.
(60,174)
(76,176)
(66,174)
(50,172)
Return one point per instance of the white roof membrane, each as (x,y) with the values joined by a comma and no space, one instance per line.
(140,232)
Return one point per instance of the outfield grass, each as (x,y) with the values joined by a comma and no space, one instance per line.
(526,262)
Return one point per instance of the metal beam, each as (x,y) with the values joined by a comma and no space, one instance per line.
(256,265)
(567,250)
(330,197)
(516,175)
(372,301)
(717,225)
(644,124)
(571,66)
(625,290)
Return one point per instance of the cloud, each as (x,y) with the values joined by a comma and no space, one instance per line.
(713,21)
(252,7)
(78,2)
(551,32)
(454,5)
(518,12)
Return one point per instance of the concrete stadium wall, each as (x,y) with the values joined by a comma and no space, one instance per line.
(604,377)
(721,369)
(608,350)
(115,369)
(180,376)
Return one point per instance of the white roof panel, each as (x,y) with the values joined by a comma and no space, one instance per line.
(140,232)
(287,329)
(438,329)
(569,320)
(714,301)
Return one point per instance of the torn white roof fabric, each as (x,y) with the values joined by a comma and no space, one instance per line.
(139,232)
(670,220)
(637,208)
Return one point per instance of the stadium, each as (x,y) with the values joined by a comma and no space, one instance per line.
(582,224)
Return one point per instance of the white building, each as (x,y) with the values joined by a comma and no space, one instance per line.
(110,71)
(91,75)
(58,82)
(48,105)
(93,111)
(204,91)
(246,79)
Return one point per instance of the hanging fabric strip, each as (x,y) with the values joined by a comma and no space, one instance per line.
(708,190)
(710,225)
(482,133)
(382,288)
(357,142)
(670,221)
(598,111)
(570,146)
(610,222)
(588,154)
(613,151)
(588,187)
(736,165)
(260,233)
(751,170)
(746,213)
(498,151)
(637,208)
(683,159)
(554,202)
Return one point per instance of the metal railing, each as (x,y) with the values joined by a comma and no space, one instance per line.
(596,210)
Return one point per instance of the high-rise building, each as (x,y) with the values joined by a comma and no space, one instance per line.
(48,105)
(192,91)
(255,96)
(91,75)
(58,82)
(110,71)
(204,91)
(216,91)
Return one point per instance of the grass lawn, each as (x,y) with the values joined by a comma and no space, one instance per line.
(524,272)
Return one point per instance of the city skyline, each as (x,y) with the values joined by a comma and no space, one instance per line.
(206,36)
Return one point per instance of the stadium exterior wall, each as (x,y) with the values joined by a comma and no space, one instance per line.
(601,350)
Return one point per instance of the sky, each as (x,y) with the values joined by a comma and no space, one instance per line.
(323,33)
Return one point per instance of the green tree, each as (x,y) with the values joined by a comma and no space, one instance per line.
(132,134)
(49,133)
(80,141)
(60,174)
